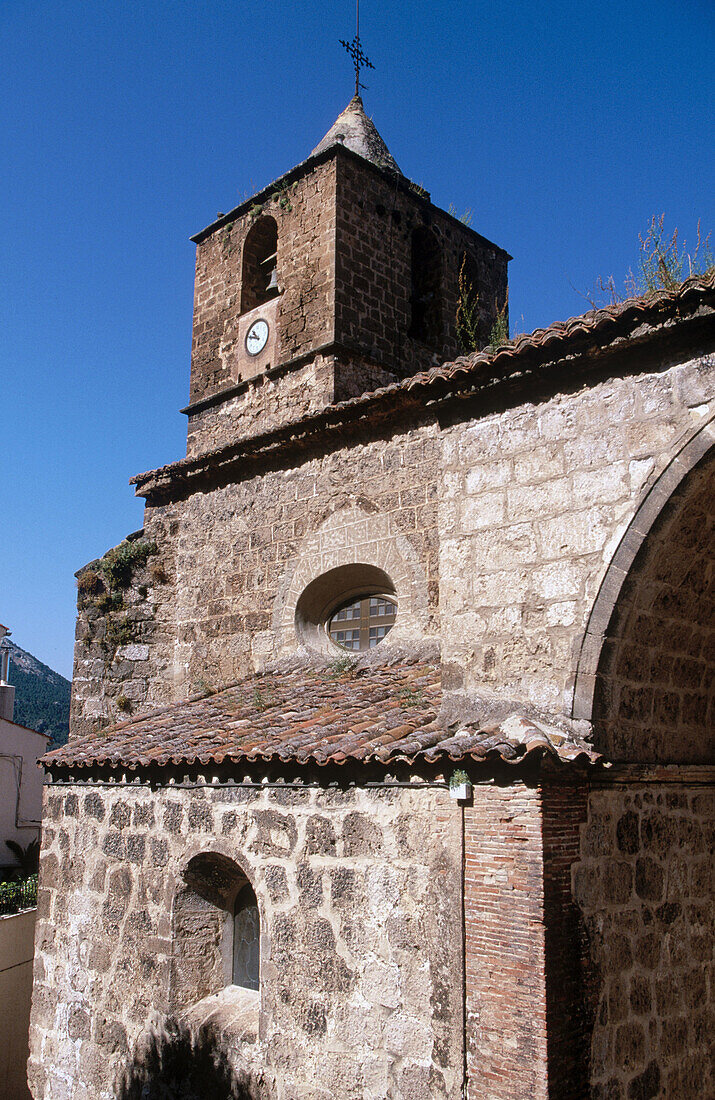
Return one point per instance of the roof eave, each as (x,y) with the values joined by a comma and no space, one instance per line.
(516,363)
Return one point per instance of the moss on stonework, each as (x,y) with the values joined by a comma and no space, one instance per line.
(101,588)
(119,563)
(103,580)
(90,583)
(119,632)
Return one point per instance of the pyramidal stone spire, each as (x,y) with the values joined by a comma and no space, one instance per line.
(356,132)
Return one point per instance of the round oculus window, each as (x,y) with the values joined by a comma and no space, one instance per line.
(362,623)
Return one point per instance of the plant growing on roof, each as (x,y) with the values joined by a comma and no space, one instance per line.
(465,218)
(264,699)
(341,666)
(467,316)
(411,696)
(281,195)
(663,264)
(499,334)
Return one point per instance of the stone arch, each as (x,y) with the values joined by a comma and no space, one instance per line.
(654,500)
(214,902)
(260,253)
(646,671)
(356,535)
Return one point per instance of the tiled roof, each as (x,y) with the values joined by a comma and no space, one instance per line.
(556,338)
(356,131)
(315,716)
(524,355)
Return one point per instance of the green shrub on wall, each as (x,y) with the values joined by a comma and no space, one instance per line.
(118,564)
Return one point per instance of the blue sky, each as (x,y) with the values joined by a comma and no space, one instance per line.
(127,125)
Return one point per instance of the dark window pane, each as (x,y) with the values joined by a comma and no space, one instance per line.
(377,633)
(246,940)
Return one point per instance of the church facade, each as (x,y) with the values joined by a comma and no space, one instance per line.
(391,764)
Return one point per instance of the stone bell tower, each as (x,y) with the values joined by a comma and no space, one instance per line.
(338,278)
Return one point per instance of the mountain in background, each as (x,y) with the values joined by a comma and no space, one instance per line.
(42,697)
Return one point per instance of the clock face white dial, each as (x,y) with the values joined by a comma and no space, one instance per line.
(256,337)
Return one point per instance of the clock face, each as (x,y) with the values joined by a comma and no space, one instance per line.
(256,337)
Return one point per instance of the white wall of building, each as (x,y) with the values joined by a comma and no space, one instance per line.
(17,945)
(20,786)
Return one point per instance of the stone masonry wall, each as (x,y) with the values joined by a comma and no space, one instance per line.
(306,240)
(534,502)
(277,398)
(267,401)
(124,636)
(361,974)
(344,271)
(644,883)
(231,553)
(511,518)
(373,283)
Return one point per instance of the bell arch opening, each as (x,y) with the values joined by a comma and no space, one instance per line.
(259,273)
(426,289)
(654,697)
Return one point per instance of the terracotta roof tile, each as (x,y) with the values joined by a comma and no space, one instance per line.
(596,322)
(309,716)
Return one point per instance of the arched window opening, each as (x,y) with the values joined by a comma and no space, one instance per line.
(259,277)
(352,607)
(426,291)
(362,623)
(216,929)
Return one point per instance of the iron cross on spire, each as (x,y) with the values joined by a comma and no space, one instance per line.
(354,48)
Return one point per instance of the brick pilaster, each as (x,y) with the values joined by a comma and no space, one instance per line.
(524,1027)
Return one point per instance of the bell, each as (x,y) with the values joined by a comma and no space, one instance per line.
(273,281)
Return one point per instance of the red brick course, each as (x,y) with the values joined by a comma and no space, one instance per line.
(525,1033)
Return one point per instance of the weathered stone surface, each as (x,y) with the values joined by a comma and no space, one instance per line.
(651,945)
(554,535)
(131,953)
(512,597)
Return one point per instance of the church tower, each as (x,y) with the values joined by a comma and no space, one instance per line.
(338,278)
